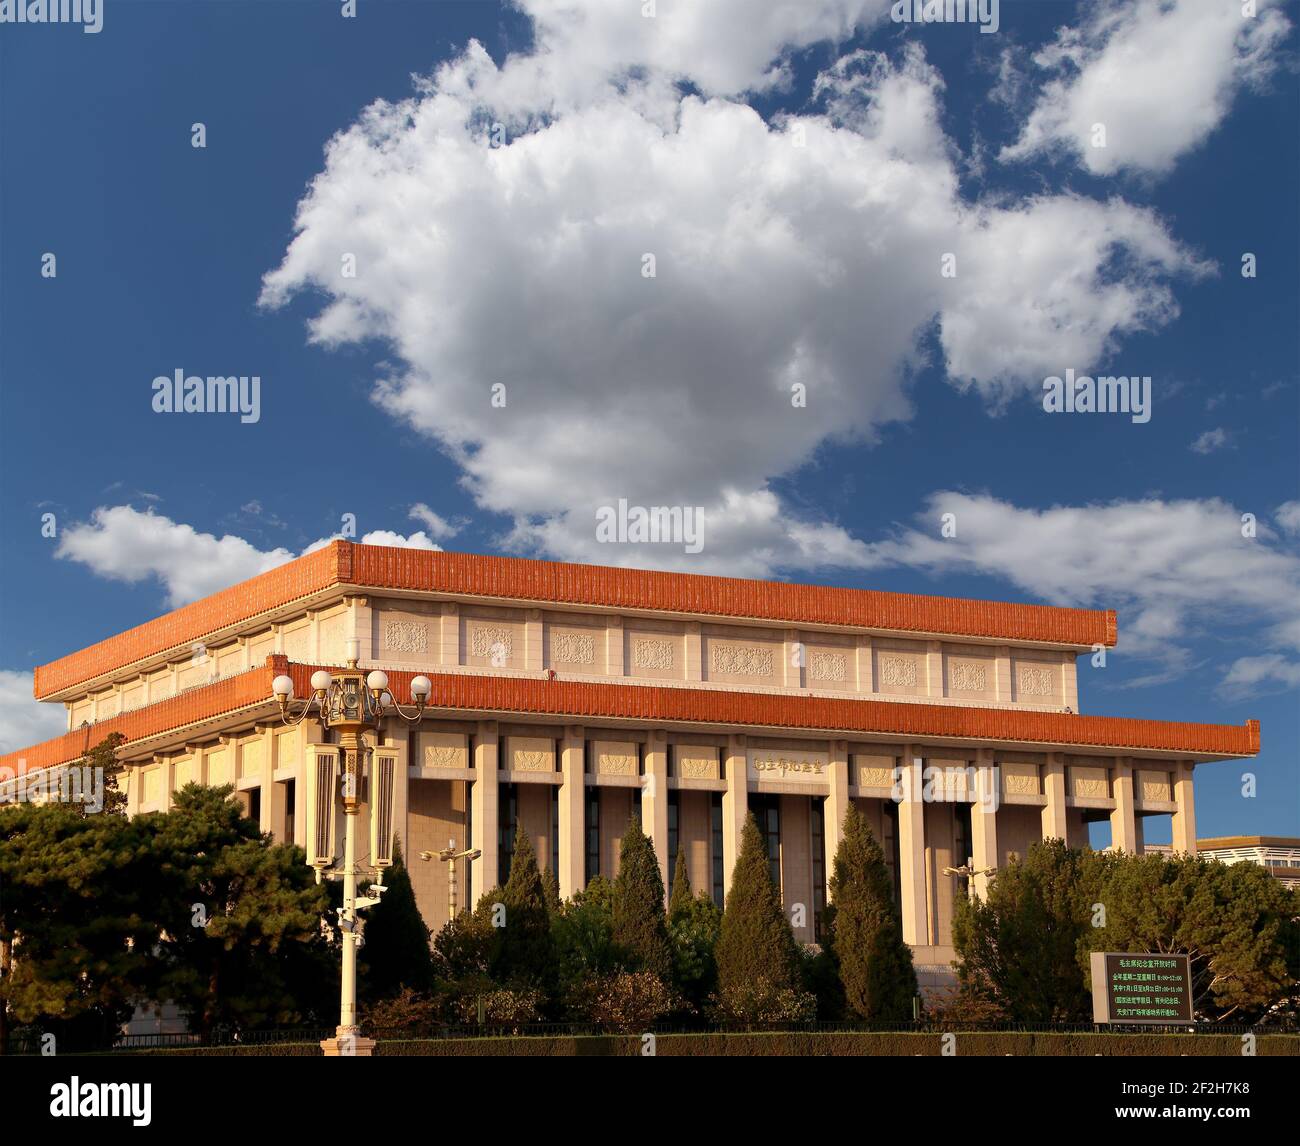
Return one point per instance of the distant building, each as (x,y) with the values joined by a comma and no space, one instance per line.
(1279,854)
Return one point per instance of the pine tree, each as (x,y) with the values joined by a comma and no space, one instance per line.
(396,949)
(522,952)
(875,965)
(680,902)
(103,759)
(640,925)
(756,945)
(551,885)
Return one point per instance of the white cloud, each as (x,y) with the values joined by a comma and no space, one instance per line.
(1249,676)
(437,525)
(1287,516)
(23,719)
(1210,441)
(776,264)
(1174,570)
(1159,75)
(722,46)
(123,544)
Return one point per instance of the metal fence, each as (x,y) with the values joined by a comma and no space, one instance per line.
(29,1042)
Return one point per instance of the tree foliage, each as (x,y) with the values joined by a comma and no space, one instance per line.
(875,965)
(640,924)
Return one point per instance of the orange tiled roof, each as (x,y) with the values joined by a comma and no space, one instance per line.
(519,579)
(577,701)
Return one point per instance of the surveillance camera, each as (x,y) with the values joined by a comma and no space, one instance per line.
(427,855)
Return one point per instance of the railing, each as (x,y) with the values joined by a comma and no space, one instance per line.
(25,1043)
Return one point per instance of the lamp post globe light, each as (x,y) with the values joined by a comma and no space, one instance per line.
(349,704)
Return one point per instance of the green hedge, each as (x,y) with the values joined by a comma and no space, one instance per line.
(804,1045)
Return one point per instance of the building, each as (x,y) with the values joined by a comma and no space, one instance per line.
(569,698)
(1279,854)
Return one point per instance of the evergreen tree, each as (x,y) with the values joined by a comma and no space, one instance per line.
(551,885)
(756,945)
(640,925)
(875,965)
(522,952)
(240,916)
(1018,948)
(396,949)
(681,897)
(102,759)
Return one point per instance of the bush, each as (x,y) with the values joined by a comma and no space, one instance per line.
(511,1007)
(630,1001)
(408,1011)
(764,1002)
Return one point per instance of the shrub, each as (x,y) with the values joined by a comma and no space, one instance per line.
(629,1000)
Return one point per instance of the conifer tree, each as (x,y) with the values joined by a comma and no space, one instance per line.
(640,925)
(681,897)
(522,951)
(551,885)
(875,965)
(756,946)
(396,949)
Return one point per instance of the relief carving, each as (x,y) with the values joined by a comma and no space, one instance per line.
(968,676)
(651,654)
(406,636)
(828,666)
(573,648)
(1034,681)
(491,641)
(742,660)
(898,672)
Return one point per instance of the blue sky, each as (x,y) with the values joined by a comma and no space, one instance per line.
(798,224)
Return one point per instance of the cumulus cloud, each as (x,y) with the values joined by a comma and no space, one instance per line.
(801,254)
(1174,569)
(1287,516)
(122,543)
(723,47)
(23,720)
(1158,75)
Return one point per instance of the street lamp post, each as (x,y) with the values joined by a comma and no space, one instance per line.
(350,705)
(449,855)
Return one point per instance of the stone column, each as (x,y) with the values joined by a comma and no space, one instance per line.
(485,871)
(1184,819)
(1123,820)
(735,805)
(449,635)
(984,820)
(405,741)
(911,849)
(573,810)
(837,804)
(1054,824)
(533,641)
(654,800)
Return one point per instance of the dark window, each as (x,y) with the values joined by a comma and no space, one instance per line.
(593,833)
(716,810)
(255,805)
(508,818)
(290,793)
(766,809)
(555,831)
(673,838)
(961,849)
(890,846)
(818,863)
